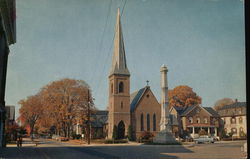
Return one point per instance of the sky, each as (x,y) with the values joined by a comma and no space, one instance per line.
(200,41)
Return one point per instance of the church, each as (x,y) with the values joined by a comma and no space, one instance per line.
(139,109)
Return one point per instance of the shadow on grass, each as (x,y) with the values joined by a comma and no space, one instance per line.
(95,152)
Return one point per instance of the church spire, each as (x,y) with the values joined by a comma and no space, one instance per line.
(119,65)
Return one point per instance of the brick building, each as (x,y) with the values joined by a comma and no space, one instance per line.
(194,118)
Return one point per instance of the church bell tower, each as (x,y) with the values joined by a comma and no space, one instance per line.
(119,86)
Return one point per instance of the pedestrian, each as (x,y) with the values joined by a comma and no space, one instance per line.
(20,140)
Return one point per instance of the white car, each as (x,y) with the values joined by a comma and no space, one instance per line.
(203,139)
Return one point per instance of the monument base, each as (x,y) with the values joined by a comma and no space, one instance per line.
(164,137)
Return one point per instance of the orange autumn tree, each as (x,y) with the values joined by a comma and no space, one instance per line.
(182,96)
(65,104)
(31,110)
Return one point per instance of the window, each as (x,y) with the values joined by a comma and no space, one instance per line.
(198,120)
(241,129)
(205,120)
(225,130)
(148,122)
(234,130)
(233,121)
(111,88)
(240,120)
(121,87)
(121,105)
(190,120)
(142,122)
(154,122)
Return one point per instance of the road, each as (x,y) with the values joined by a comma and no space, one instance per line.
(53,150)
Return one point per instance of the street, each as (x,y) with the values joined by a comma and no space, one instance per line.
(51,150)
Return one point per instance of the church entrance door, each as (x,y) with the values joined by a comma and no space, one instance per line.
(121,130)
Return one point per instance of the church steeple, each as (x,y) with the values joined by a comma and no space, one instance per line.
(119,65)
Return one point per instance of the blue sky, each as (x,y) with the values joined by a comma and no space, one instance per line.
(201,42)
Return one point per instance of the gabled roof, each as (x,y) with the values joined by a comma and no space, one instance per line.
(135,98)
(187,110)
(212,111)
(234,105)
(179,110)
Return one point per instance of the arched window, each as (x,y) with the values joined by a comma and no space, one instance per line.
(234,130)
(121,105)
(190,120)
(205,120)
(121,87)
(154,122)
(148,122)
(233,121)
(198,120)
(240,120)
(142,123)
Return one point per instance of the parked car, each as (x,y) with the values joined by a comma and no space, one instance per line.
(203,139)
(216,138)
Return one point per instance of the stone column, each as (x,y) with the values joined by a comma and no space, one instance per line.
(164,124)
(208,130)
(215,131)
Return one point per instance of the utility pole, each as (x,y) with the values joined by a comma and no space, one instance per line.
(88,125)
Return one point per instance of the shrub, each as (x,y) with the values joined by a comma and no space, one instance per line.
(202,132)
(146,136)
(130,133)
(115,132)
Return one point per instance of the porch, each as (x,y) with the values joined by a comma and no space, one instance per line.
(195,129)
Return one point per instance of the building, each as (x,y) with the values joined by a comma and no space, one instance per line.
(10,114)
(140,110)
(190,120)
(7,37)
(234,118)
(99,123)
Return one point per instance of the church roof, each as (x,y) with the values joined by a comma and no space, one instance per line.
(119,65)
(135,98)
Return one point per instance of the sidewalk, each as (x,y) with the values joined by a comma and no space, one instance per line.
(26,143)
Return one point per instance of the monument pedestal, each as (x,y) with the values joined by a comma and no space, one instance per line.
(164,136)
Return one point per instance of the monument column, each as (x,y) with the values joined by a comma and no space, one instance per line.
(164,124)
(165,135)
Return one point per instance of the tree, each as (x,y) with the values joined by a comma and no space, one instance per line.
(66,102)
(31,110)
(58,105)
(223,102)
(183,96)
(130,133)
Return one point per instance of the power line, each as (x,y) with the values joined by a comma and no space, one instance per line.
(102,37)
(108,55)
